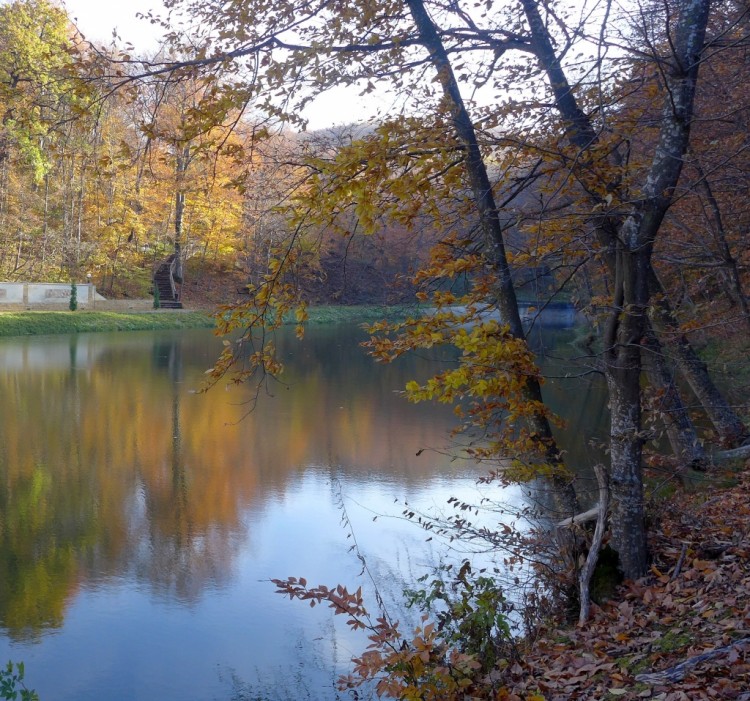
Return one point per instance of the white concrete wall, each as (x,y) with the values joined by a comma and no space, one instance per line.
(54,293)
(46,293)
(11,292)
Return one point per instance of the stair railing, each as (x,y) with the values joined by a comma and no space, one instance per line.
(172,266)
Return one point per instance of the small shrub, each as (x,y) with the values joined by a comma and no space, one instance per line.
(458,656)
(470,611)
(73,297)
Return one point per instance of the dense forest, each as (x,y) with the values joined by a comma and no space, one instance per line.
(597,154)
(104,177)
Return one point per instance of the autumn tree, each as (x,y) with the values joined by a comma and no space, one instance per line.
(95,180)
(196,148)
(36,51)
(356,24)
(63,174)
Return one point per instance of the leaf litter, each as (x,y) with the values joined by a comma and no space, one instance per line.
(680,633)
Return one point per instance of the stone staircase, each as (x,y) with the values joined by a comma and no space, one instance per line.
(164,282)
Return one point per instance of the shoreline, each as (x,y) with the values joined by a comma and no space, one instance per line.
(47,322)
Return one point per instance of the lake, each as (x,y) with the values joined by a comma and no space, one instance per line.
(140,521)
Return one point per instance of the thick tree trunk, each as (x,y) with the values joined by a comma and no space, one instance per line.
(633,242)
(581,133)
(622,365)
(625,480)
(491,227)
(179,210)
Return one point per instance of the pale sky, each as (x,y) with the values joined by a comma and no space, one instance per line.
(96,21)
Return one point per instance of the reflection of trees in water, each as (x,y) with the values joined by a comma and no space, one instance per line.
(35,557)
(181,558)
(181,567)
(41,535)
(95,485)
(111,468)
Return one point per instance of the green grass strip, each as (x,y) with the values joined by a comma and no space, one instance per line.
(358,314)
(37,323)
(30,323)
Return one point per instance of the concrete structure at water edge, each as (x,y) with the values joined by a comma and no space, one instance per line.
(556,314)
(47,295)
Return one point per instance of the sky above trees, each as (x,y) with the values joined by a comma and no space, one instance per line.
(98,22)
(338,106)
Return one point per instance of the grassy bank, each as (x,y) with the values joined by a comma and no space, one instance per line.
(28,323)
(37,323)
(358,314)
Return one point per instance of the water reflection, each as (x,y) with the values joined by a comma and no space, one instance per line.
(112,467)
(119,483)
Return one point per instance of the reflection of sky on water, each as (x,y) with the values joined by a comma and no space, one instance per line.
(145,521)
(126,641)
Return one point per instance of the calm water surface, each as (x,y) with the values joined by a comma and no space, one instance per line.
(140,522)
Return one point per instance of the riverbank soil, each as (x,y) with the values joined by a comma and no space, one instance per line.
(680,634)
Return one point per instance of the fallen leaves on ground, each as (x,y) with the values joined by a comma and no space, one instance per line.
(695,600)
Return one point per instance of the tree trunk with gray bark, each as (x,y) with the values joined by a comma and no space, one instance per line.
(491,229)
(631,246)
